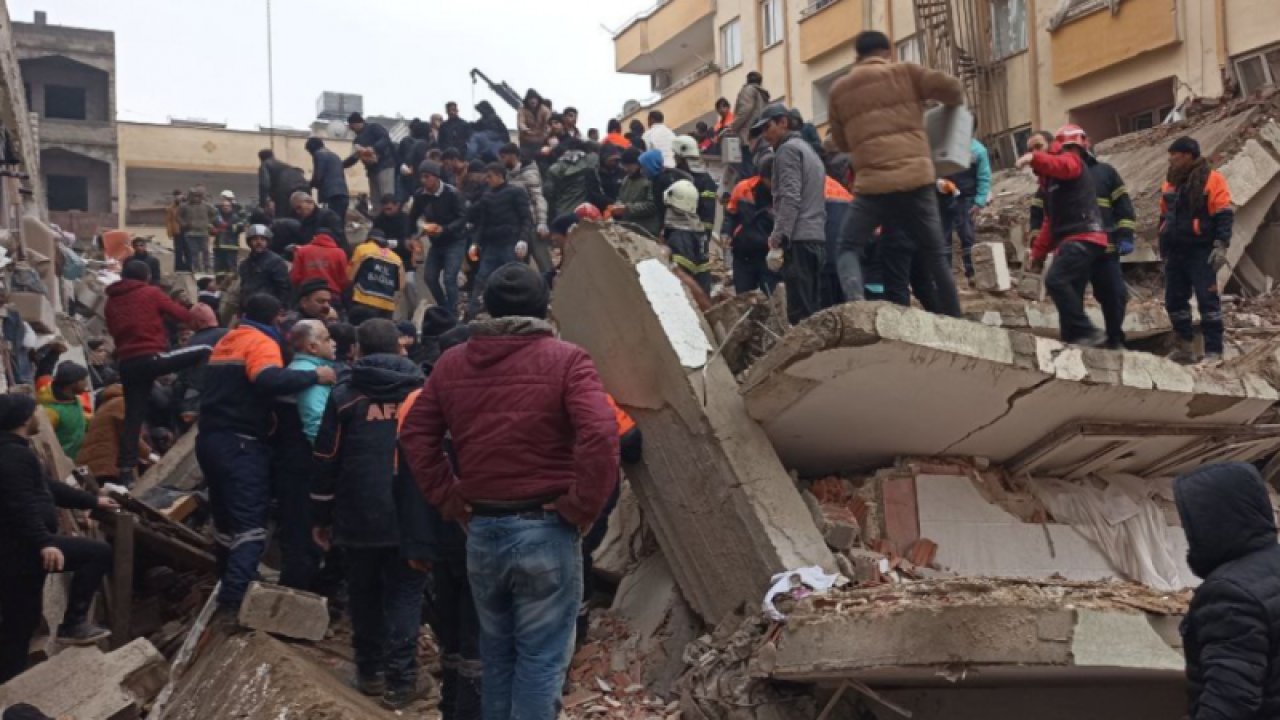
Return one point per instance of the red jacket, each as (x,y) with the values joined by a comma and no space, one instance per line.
(135,315)
(529,420)
(1060,165)
(320,258)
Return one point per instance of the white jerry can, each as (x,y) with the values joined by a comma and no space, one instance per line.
(950,131)
(731,149)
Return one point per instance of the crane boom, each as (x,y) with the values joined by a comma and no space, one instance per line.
(502,90)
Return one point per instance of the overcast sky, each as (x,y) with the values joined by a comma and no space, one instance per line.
(189,59)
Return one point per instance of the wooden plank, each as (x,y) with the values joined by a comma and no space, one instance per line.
(122,578)
(176,464)
(182,508)
(174,550)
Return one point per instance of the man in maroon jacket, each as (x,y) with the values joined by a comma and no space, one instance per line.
(135,314)
(536,444)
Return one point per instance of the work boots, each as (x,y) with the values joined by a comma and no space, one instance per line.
(1184,353)
(82,633)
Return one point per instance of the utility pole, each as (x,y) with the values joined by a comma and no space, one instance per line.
(271,84)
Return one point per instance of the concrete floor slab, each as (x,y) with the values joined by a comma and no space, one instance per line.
(860,384)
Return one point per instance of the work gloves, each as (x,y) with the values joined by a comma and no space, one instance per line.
(1218,257)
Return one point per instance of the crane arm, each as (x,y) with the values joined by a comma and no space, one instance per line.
(502,90)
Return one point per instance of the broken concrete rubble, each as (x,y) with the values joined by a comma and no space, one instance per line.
(1142,320)
(991,270)
(284,611)
(725,513)
(829,394)
(87,684)
(662,623)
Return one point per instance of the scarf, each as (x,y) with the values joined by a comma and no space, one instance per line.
(1190,182)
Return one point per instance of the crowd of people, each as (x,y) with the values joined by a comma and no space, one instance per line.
(462,469)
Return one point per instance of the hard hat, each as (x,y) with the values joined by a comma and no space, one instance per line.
(228,195)
(684,146)
(682,195)
(1072,135)
(261,231)
(587,211)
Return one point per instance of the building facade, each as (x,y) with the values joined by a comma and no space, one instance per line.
(69,79)
(1113,66)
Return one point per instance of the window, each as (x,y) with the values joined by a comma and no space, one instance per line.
(731,45)
(64,102)
(822,95)
(1009,35)
(67,192)
(1145,120)
(772,13)
(1005,148)
(1258,69)
(911,49)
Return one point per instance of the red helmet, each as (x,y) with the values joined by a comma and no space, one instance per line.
(1072,135)
(587,211)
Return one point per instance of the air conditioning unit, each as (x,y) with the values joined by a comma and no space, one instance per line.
(660,80)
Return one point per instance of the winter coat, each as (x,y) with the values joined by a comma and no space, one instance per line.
(1071,203)
(572,180)
(312,401)
(528,177)
(376,276)
(376,138)
(265,272)
(326,221)
(877,116)
(28,505)
(395,227)
(501,216)
(277,181)
(197,218)
(1231,633)
(135,315)
(636,194)
(799,200)
(748,219)
(100,451)
(327,174)
(532,126)
(454,133)
(246,373)
(751,101)
(320,258)
(153,265)
(228,227)
(974,182)
(1182,225)
(1114,205)
(529,421)
(446,209)
(354,491)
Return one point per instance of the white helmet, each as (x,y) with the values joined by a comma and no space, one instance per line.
(261,231)
(682,195)
(228,195)
(684,146)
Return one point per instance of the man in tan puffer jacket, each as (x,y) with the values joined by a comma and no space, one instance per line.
(877,116)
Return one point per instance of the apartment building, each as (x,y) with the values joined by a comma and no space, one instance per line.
(1113,66)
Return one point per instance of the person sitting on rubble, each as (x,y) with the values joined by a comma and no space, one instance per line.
(1231,630)
(30,546)
(64,395)
(526,491)
(1196,219)
(246,372)
(100,451)
(1073,230)
(1118,218)
(364,502)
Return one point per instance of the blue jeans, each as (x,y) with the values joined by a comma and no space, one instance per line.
(238,471)
(444,258)
(386,612)
(492,257)
(526,576)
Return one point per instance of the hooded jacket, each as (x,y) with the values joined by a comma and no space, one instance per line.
(135,314)
(322,258)
(636,194)
(572,180)
(100,451)
(532,126)
(355,490)
(28,505)
(1231,634)
(529,422)
(751,101)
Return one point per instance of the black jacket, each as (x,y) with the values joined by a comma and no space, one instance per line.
(327,175)
(153,264)
(265,273)
(375,137)
(501,215)
(448,210)
(454,133)
(396,227)
(1231,634)
(1114,204)
(361,489)
(28,504)
(277,181)
(286,232)
(326,220)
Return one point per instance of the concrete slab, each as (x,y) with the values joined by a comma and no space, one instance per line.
(87,684)
(991,270)
(662,622)
(832,393)
(35,310)
(725,513)
(284,611)
(1141,321)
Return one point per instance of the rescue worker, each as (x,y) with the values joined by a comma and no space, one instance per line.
(246,371)
(1196,220)
(1117,213)
(688,159)
(683,233)
(377,278)
(264,271)
(747,226)
(1073,230)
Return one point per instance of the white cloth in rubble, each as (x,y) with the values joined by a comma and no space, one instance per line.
(1122,520)
(800,582)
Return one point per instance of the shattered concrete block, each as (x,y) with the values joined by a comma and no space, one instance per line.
(868,565)
(40,240)
(973,390)
(35,309)
(841,536)
(725,513)
(177,468)
(627,539)
(285,611)
(990,268)
(1249,171)
(662,622)
(87,684)
(1141,320)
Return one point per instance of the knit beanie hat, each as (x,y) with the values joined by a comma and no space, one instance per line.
(1186,145)
(69,373)
(310,285)
(437,321)
(515,289)
(15,411)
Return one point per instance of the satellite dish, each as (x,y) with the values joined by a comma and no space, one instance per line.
(630,107)
(337,128)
